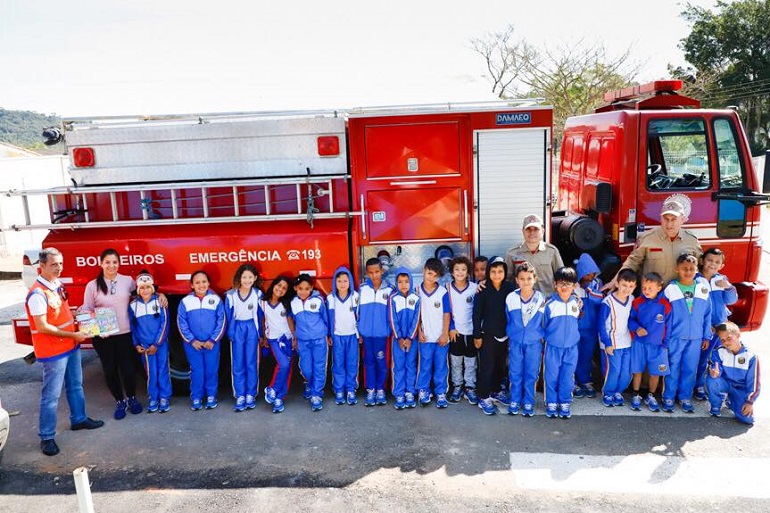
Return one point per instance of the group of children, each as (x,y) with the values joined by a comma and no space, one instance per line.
(486,334)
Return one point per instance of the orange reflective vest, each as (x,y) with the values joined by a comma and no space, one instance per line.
(51,347)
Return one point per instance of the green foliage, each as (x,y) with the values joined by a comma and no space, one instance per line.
(23,128)
(729,53)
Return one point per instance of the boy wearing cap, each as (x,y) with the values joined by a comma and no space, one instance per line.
(544,256)
(657,250)
(149,329)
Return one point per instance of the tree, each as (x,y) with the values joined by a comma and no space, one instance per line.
(729,55)
(572,79)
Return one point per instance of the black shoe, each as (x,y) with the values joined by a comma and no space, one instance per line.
(89,423)
(49,447)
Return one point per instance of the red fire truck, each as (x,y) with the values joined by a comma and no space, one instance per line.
(308,191)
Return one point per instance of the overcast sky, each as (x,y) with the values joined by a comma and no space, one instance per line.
(94,57)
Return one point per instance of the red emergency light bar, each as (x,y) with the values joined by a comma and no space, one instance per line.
(656,87)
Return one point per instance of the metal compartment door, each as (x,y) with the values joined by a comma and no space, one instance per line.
(512,181)
(414,215)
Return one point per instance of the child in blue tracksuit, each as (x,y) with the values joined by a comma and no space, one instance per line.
(149,329)
(404,316)
(589,290)
(649,324)
(311,329)
(342,305)
(278,331)
(373,330)
(525,310)
(244,319)
(616,338)
(561,335)
(201,322)
(690,329)
(722,295)
(733,372)
(433,335)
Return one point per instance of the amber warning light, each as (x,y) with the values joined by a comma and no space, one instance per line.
(83,157)
(328,146)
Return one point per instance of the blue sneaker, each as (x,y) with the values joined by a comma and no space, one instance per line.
(551,410)
(487,407)
(352,399)
(687,407)
(528,410)
(163,407)
(316,403)
(307,393)
(715,412)
(608,401)
(400,403)
(700,394)
(409,400)
(588,390)
(423,396)
(564,411)
(668,405)
(251,402)
(470,394)
(381,398)
(196,404)
(578,392)
(134,406)
(240,403)
(211,402)
(457,394)
(278,405)
(269,395)
(500,397)
(152,406)
(441,401)
(651,403)
(636,403)
(339,398)
(120,410)
(617,400)
(369,400)
(513,409)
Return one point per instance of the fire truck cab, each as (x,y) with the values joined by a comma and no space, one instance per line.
(619,164)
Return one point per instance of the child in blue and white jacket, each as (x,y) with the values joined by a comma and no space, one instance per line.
(690,330)
(734,372)
(561,335)
(589,290)
(311,329)
(244,319)
(404,306)
(374,330)
(201,322)
(342,304)
(616,338)
(525,308)
(149,329)
(722,294)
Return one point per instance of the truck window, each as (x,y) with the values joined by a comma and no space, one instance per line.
(677,155)
(729,162)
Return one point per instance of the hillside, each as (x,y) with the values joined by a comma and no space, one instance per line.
(23,128)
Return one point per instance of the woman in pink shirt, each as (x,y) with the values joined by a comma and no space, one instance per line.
(116,351)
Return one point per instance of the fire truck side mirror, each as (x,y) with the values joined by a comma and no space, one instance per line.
(766,178)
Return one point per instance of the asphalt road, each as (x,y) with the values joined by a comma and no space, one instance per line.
(376,459)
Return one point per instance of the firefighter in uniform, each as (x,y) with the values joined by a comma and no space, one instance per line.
(658,249)
(542,255)
(57,348)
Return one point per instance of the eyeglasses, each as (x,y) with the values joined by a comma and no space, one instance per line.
(113,286)
(563,284)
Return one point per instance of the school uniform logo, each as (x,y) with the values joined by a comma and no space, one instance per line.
(704,290)
(741,360)
(385,295)
(313,306)
(155,308)
(283,314)
(250,306)
(659,318)
(469,299)
(437,304)
(662,368)
(412,302)
(211,301)
(574,309)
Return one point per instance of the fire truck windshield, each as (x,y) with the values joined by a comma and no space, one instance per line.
(677,154)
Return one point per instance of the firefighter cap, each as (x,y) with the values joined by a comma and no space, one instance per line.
(678,205)
(532,220)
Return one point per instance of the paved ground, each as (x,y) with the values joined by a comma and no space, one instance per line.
(360,459)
